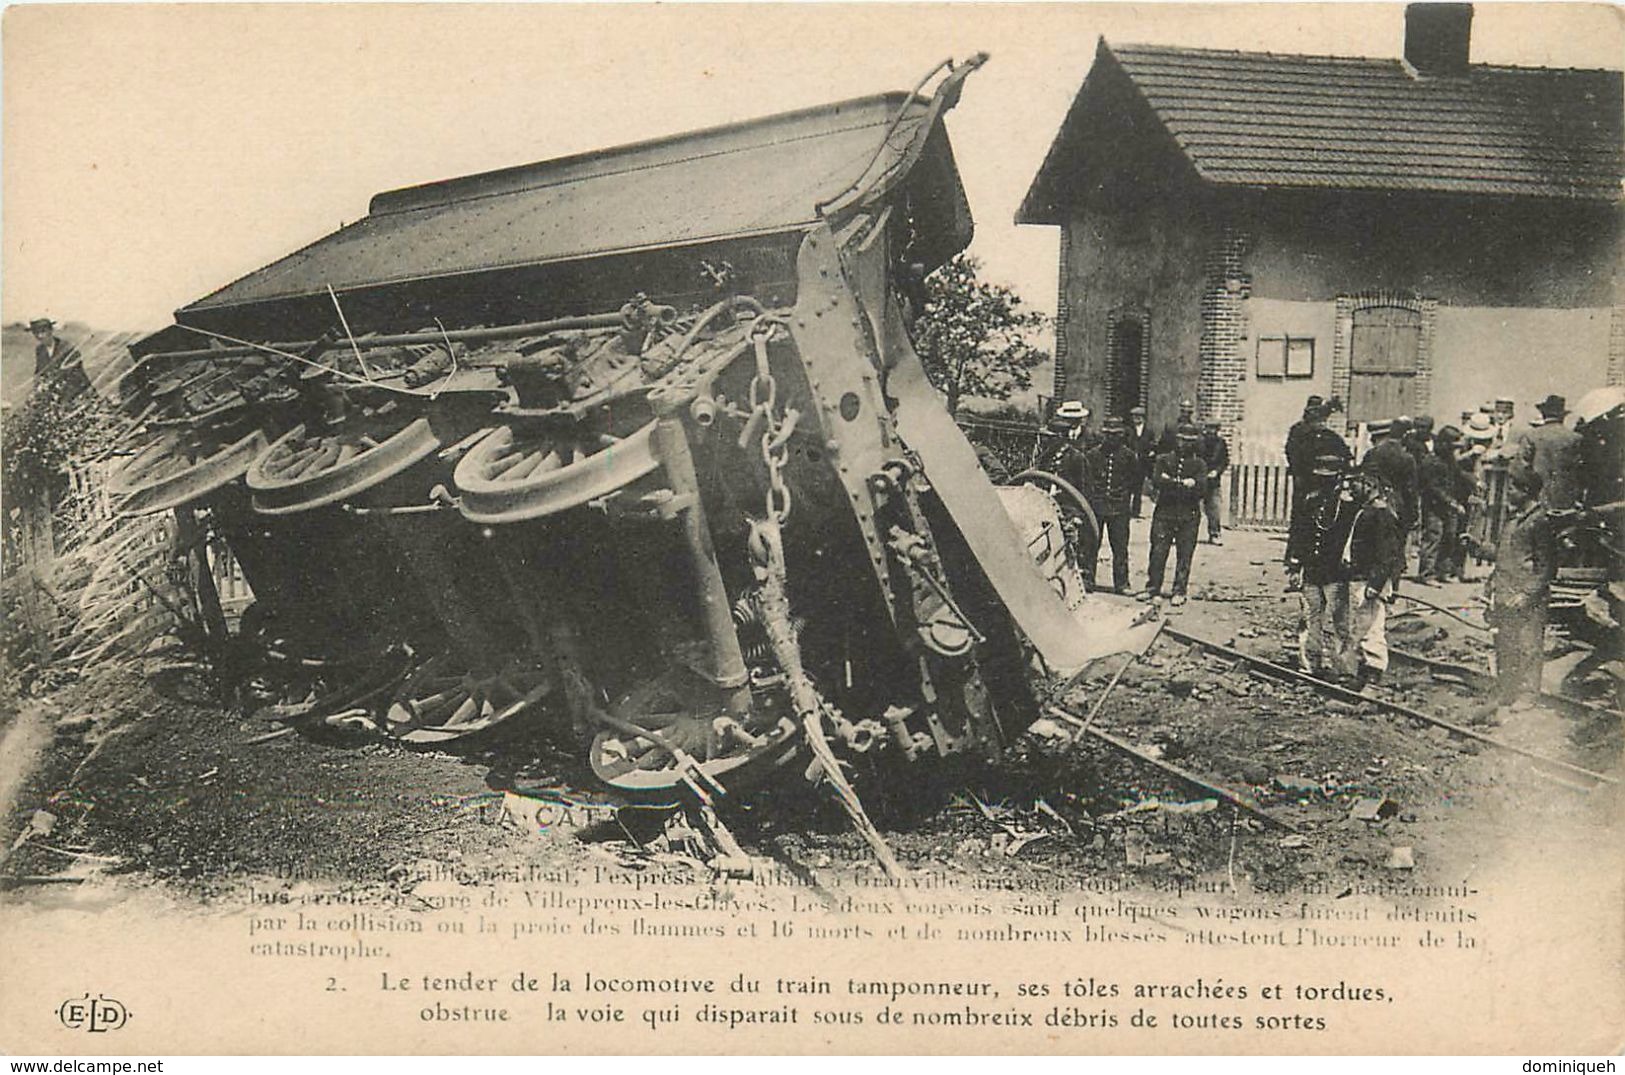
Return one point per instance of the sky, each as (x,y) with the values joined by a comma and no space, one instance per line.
(153,153)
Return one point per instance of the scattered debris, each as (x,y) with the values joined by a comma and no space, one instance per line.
(1400,858)
(41,823)
(1376,809)
(1134,847)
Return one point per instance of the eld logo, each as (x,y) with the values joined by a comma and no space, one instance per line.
(97,1014)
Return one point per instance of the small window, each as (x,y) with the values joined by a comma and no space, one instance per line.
(1286,356)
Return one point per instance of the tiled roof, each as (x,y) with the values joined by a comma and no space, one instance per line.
(1261,119)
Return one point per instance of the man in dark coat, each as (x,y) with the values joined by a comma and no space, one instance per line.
(1217,453)
(1300,465)
(1328,510)
(1180,479)
(1552,450)
(57,366)
(1444,509)
(1170,436)
(1391,461)
(1111,476)
(1372,559)
(1144,444)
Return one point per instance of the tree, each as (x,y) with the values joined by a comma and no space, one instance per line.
(972,336)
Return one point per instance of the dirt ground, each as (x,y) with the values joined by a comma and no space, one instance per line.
(149,779)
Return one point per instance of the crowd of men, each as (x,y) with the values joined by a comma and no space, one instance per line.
(1416,504)
(1419,495)
(1112,469)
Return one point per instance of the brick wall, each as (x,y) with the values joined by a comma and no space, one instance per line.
(1224,330)
(1062,312)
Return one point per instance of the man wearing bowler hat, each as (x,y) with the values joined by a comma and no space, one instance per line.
(57,367)
(1552,450)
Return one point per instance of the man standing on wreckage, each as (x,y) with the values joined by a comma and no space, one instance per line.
(1525,558)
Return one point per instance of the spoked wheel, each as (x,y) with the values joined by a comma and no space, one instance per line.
(444,699)
(308,468)
(1076,514)
(653,734)
(177,466)
(527,471)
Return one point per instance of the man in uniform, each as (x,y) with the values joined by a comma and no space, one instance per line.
(1170,436)
(1372,558)
(1553,451)
(1300,465)
(1419,442)
(1217,453)
(1143,442)
(1328,508)
(1444,508)
(1180,479)
(1393,463)
(1111,476)
(1525,560)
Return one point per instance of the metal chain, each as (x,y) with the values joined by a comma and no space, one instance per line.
(776,428)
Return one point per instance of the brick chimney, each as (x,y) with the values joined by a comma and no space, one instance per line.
(1437,37)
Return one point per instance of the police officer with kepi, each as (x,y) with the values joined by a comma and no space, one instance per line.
(1111,476)
(1180,478)
(1327,509)
(1372,561)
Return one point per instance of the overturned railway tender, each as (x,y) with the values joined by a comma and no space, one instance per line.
(719,526)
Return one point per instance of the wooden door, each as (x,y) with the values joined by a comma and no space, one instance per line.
(1384,355)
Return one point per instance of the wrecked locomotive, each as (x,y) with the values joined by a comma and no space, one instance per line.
(722,526)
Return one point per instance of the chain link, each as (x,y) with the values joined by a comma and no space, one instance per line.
(776,428)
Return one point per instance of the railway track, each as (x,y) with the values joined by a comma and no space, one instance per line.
(1481,679)
(1566,773)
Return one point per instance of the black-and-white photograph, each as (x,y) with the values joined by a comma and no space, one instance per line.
(1070,528)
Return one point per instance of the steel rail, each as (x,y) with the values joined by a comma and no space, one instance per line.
(1278,671)
(1234,798)
(1483,678)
